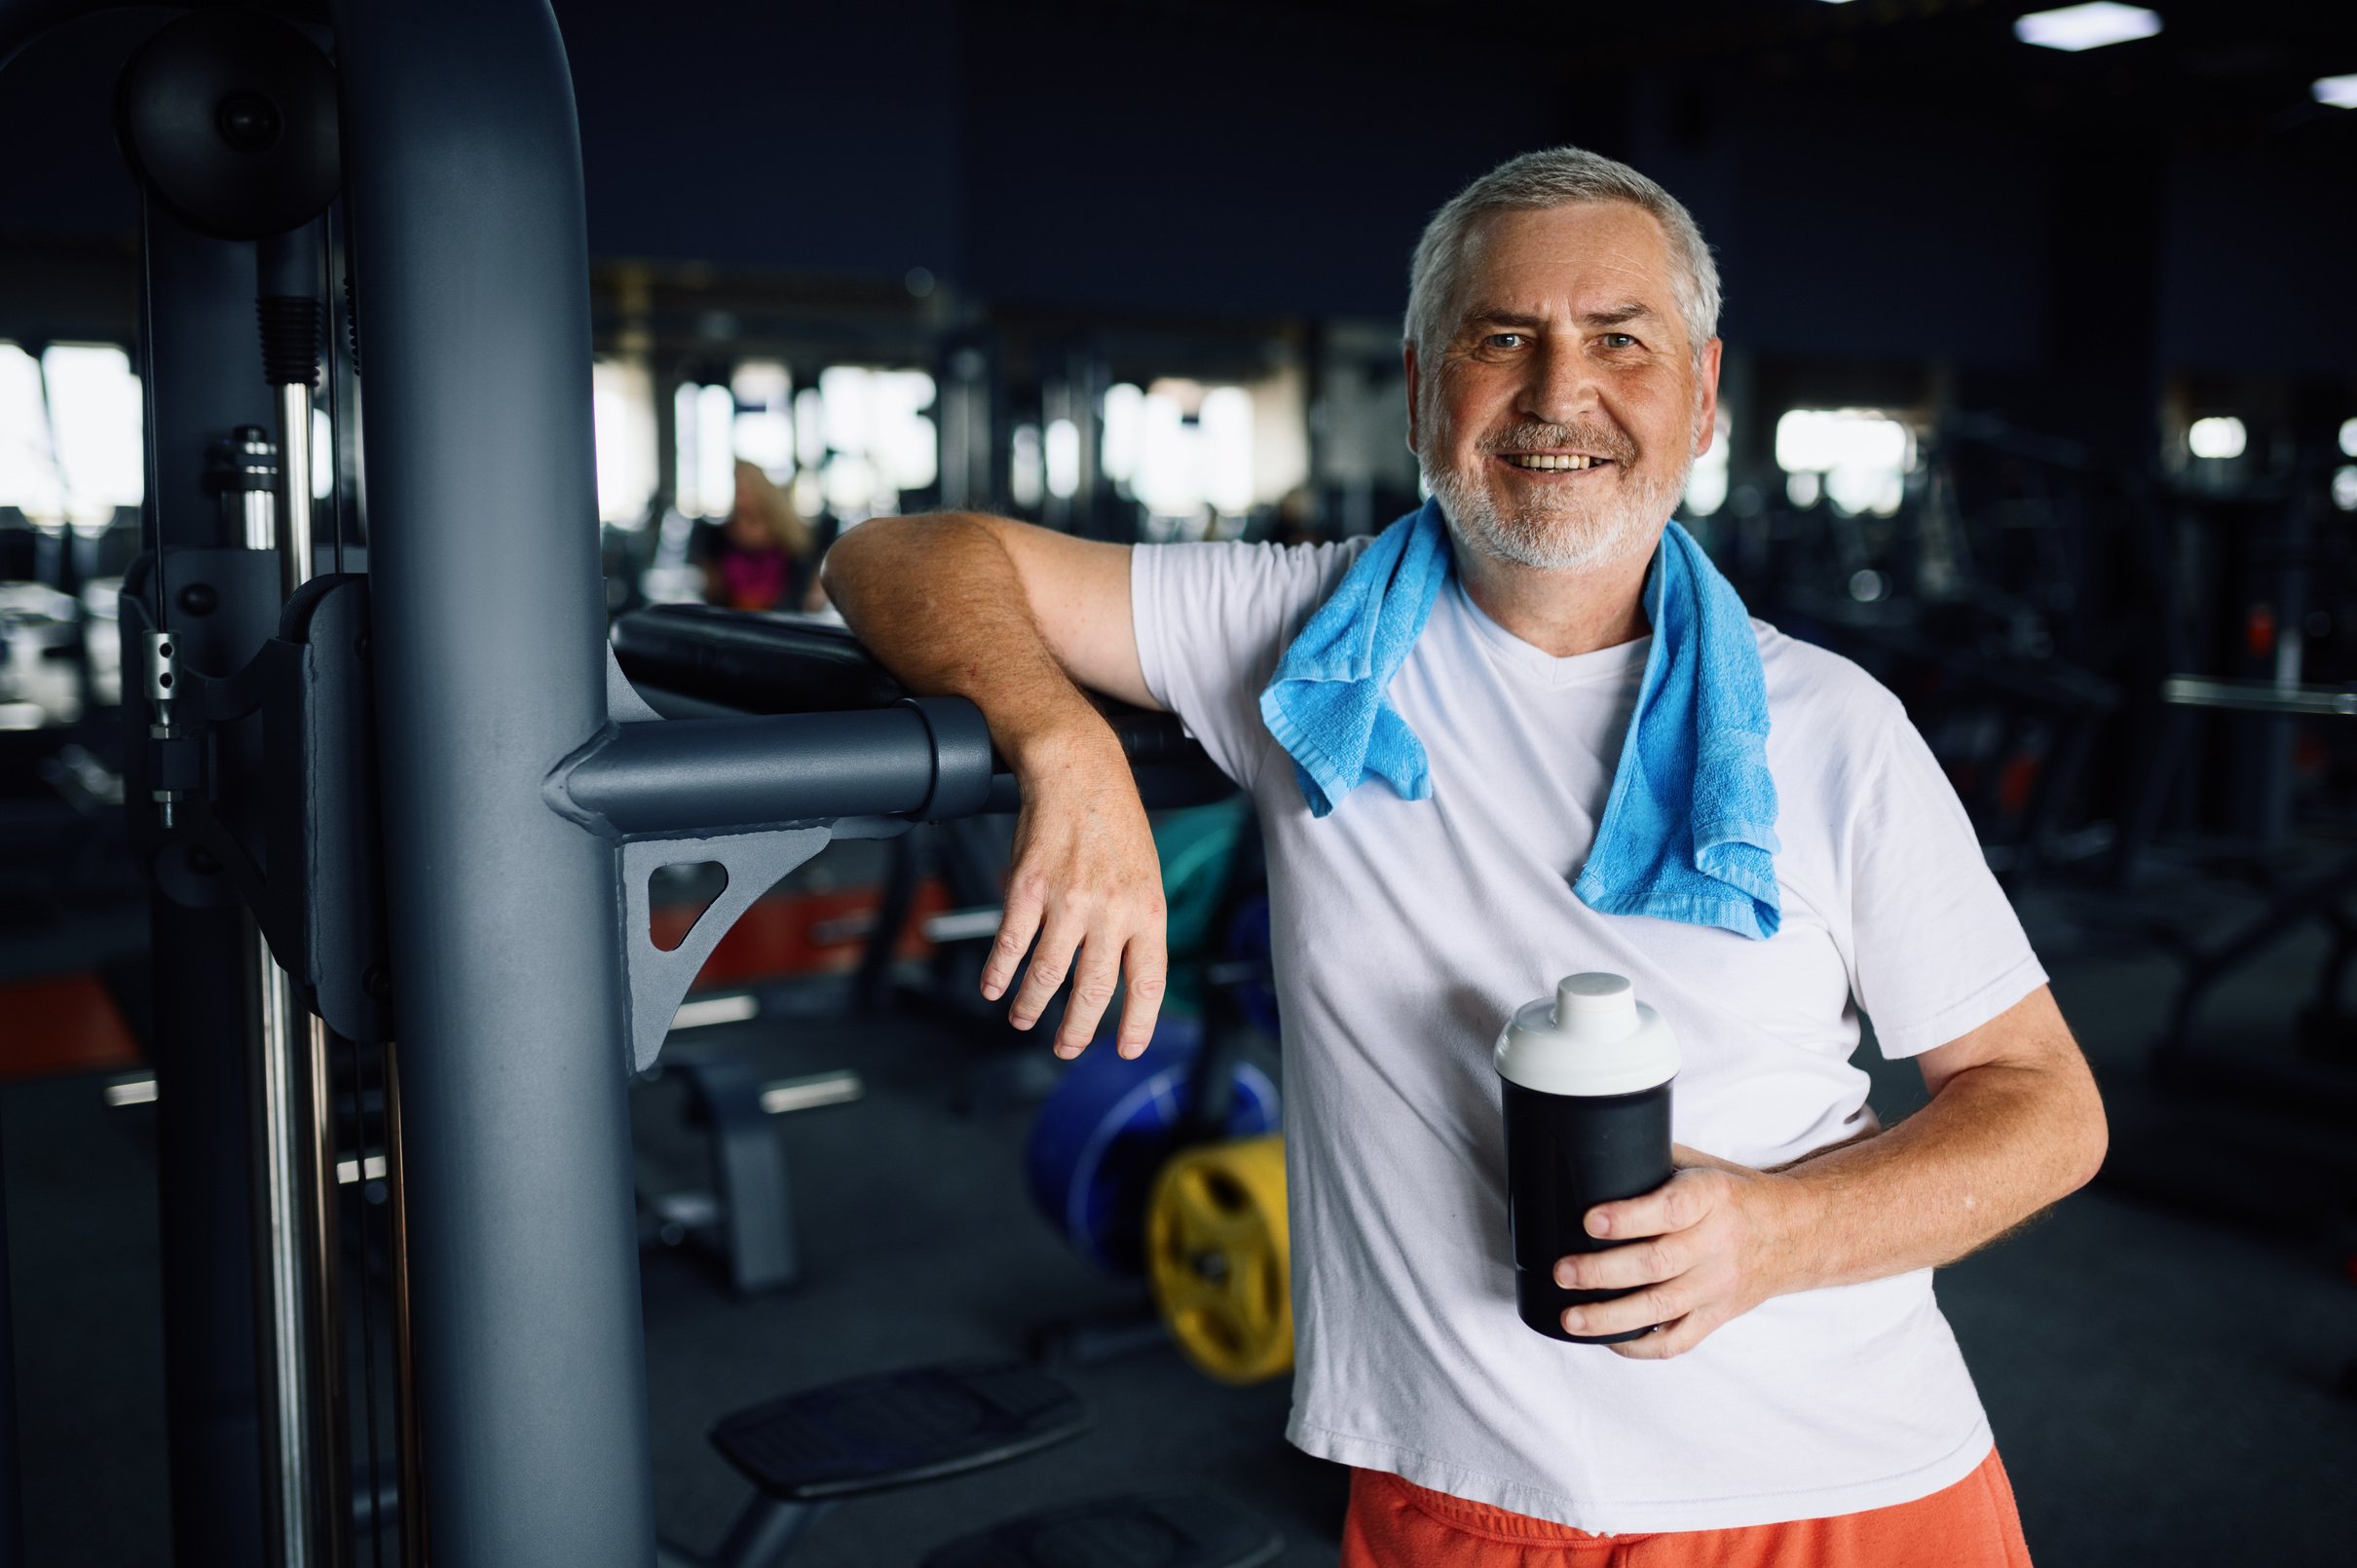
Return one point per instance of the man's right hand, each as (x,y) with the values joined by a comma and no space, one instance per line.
(1018,619)
(1084,894)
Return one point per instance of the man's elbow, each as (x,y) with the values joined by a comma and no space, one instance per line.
(2090,1130)
(839,568)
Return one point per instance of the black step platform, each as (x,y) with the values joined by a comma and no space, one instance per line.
(873,1433)
(1184,1530)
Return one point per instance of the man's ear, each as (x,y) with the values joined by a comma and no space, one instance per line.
(1408,354)
(1706,396)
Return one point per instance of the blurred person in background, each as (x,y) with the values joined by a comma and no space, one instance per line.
(764,555)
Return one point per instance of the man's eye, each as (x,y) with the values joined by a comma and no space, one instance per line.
(1619,340)
(1505,340)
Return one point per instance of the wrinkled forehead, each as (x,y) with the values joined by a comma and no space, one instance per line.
(1582,258)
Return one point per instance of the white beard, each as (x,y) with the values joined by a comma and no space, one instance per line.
(1550,533)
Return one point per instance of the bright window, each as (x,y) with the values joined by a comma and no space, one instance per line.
(623,407)
(763,432)
(1859,458)
(715,451)
(29,461)
(1027,469)
(1123,416)
(703,473)
(879,439)
(1188,452)
(93,404)
(1062,459)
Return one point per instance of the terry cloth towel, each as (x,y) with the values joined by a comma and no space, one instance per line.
(1689,832)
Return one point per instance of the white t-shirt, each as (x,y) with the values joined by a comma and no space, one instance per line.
(1404,935)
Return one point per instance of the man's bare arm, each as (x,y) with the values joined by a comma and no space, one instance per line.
(2014,1125)
(1011,617)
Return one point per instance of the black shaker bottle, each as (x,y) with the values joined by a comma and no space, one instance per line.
(1584,1075)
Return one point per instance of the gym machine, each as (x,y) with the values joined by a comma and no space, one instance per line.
(408,815)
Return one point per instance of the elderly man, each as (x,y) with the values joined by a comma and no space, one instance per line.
(1799,1398)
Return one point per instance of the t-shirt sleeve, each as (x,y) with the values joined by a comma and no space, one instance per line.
(1211,620)
(1938,948)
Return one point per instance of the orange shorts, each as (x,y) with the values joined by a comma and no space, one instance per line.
(1393,1523)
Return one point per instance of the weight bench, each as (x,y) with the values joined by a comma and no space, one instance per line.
(744,1218)
(808,1451)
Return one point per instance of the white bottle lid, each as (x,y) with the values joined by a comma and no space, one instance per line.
(1591,1037)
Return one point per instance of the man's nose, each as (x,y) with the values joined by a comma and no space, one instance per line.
(1561,386)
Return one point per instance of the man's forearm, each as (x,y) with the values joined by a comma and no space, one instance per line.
(1996,1145)
(941,601)
(2014,1124)
(938,600)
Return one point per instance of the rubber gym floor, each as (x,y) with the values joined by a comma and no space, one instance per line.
(2161,1382)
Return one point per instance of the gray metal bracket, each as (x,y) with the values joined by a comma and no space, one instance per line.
(658,981)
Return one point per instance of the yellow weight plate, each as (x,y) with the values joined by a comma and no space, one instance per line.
(1217,1251)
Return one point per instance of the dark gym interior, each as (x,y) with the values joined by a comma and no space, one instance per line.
(2039,402)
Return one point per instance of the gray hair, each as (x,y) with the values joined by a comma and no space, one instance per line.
(1556,176)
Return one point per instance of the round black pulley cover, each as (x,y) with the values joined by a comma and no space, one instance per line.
(228,116)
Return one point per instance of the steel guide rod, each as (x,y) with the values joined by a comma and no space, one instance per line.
(306,1419)
(463,173)
(291,1282)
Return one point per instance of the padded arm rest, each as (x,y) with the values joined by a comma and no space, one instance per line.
(773,661)
(759,661)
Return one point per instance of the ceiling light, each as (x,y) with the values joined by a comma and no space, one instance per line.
(2340,91)
(2088,26)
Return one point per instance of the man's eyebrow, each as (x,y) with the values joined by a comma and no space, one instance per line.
(1502,316)
(1619,315)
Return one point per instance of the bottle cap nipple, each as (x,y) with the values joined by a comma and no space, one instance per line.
(1595,995)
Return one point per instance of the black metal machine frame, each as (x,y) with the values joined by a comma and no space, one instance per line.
(441,800)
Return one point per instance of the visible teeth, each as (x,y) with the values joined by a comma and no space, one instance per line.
(1552,461)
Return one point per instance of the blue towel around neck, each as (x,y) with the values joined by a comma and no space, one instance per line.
(1689,830)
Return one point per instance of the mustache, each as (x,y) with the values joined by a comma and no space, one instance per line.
(1597,440)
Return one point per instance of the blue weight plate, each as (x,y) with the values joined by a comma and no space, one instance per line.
(1106,1131)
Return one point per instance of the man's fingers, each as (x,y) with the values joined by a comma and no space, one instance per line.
(1051,962)
(1148,978)
(1017,925)
(1646,1262)
(1093,981)
(1678,1203)
(1664,1303)
(1671,1339)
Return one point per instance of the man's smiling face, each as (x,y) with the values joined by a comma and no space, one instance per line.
(1559,422)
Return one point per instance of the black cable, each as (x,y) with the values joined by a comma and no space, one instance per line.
(152,505)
